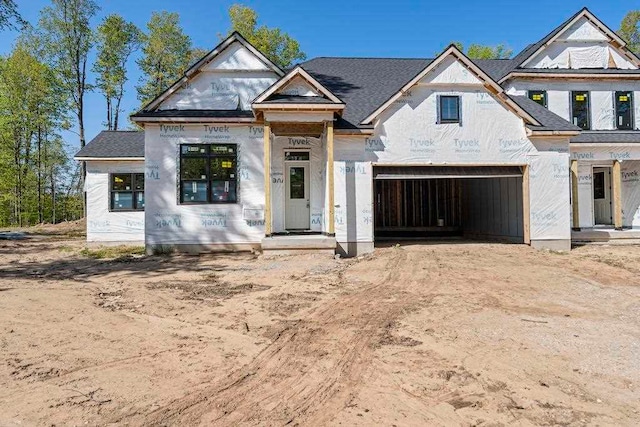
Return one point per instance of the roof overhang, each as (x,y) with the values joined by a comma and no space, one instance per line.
(298,107)
(491,85)
(604,144)
(298,71)
(570,75)
(87,159)
(550,133)
(143,119)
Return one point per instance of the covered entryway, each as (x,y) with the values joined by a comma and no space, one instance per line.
(602,201)
(297,214)
(485,202)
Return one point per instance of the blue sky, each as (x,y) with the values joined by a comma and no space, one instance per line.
(399,28)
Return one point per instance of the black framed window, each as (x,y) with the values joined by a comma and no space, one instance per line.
(624,110)
(539,96)
(126,191)
(208,173)
(449,109)
(580,109)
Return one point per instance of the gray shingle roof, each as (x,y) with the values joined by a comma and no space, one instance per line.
(108,144)
(363,84)
(549,121)
(607,137)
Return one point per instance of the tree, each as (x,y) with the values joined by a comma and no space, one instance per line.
(117,40)
(67,36)
(630,30)
(9,14)
(478,51)
(166,54)
(278,46)
(196,54)
(32,109)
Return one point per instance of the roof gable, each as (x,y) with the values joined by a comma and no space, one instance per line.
(233,53)
(448,68)
(580,38)
(298,82)
(236,56)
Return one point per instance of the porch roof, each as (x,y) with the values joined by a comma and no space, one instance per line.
(607,137)
(114,144)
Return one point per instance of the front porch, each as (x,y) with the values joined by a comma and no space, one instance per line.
(605,235)
(290,244)
(299,206)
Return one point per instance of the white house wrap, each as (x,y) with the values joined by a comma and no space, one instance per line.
(337,154)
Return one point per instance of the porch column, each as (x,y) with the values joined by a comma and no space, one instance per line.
(330,178)
(574,195)
(267,179)
(617,194)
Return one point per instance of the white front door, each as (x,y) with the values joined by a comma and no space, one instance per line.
(602,195)
(297,214)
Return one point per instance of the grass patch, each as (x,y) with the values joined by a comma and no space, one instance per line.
(108,252)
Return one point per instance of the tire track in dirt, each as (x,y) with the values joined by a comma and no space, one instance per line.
(312,369)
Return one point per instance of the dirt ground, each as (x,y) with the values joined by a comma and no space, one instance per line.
(420,334)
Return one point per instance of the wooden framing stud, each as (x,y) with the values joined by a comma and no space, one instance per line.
(617,194)
(267,179)
(331,179)
(526,206)
(574,195)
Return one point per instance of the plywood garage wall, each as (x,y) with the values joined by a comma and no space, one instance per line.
(492,207)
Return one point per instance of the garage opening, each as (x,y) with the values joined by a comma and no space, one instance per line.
(418,202)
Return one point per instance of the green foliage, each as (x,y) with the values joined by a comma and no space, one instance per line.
(630,30)
(33,162)
(196,54)
(117,40)
(67,37)
(166,55)
(9,16)
(109,252)
(478,51)
(277,45)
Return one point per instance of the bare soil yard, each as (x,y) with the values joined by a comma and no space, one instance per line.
(446,334)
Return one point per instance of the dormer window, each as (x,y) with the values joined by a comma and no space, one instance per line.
(580,111)
(624,110)
(449,109)
(539,96)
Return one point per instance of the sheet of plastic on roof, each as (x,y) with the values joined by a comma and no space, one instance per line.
(102,224)
(549,196)
(220,86)
(317,179)
(168,221)
(578,55)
